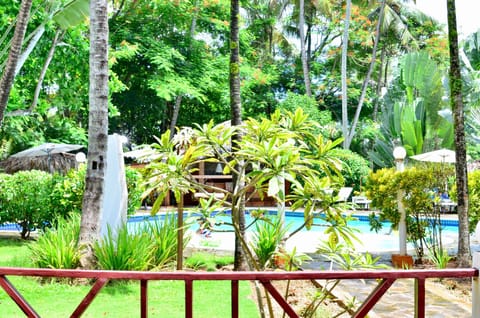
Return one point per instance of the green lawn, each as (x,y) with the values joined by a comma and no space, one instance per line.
(165,298)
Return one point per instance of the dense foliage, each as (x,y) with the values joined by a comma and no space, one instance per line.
(25,199)
(34,199)
(420,188)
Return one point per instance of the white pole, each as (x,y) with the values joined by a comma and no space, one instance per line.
(399,155)
(476,288)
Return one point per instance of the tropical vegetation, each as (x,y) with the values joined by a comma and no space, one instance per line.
(370,76)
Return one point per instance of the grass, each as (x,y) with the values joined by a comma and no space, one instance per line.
(165,298)
(207,262)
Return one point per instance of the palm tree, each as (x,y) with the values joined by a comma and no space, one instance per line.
(348,9)
(456,102)
(9,73)
(303,53)
(238,207)
(97,131)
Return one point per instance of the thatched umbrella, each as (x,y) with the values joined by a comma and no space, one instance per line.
(47,157)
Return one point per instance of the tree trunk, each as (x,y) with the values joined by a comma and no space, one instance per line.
(51,52)
(344,73)
(456,102)
(350,136)
(303,53)
(179,98)
(380,84)
(37,34)
(238,207)
(97,132)
(6,82)
(175,112)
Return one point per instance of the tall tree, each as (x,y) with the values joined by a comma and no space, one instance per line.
(348,9)
(9,73)
(456,102)
(97,131)
(238,207)
(303,53)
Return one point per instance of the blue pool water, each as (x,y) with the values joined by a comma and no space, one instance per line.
(308,240)
(295,220)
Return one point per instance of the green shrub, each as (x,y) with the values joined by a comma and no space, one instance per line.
(164,237)
(355,169)
(266,239)
(473,197)
(134,188)
(57,247)
(124,250)
(423,218)
(67,193)
(25,199)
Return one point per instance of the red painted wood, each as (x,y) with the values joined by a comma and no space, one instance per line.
(279,298)
(17,298)
(234,298)
(143,298)
(188,298)
(265,277)
(179,275)
(374,297)
(419,298)
(89,297)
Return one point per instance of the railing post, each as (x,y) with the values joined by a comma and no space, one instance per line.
(476,287)
(234,298)
(419,297)
(188,298)
(143,298)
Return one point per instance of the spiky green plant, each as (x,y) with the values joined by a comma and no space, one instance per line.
(267,237)
(124,251)
(57,247)
(163,235)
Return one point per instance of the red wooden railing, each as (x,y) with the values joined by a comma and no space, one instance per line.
(386,279)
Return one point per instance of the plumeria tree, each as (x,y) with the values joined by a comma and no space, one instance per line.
(272,150)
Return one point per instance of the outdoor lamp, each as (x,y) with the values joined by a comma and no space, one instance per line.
(80,157)
(401,259)
(399,154)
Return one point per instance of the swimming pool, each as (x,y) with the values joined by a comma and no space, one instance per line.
(307,240)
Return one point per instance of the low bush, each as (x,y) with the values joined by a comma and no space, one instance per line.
(57,247)
(355,169)
(122,250)
(34,199)
(25,199)
(267,237)
(134,188)
(422,215)
(163,235)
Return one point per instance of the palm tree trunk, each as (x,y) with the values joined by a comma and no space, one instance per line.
(6,82)
(175,113)
(51,52)
(238,207)
(179,98)
(350,136)
(97,132)
(344,73)
(456,102)
(380,84)
(303,53)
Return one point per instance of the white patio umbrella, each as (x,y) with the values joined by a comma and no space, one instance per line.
(441,156)
(46,149)
(47,157)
